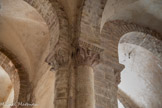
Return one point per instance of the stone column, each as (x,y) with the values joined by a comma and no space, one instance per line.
(60,60)
(87,56)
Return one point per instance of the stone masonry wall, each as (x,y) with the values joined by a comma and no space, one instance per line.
(105,88)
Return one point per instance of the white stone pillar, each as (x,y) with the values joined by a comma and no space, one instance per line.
(85,87)
(87,56)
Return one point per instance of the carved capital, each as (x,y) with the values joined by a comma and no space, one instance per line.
(118,78)
(118,73)
(87,54)
(59,57)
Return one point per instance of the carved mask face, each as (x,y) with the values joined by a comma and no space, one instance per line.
(62,56)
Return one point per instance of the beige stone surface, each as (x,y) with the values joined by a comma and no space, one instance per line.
(26,36)
(66,52)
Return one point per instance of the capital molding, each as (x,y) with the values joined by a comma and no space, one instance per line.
(87,54)
(118,73)
(59,57)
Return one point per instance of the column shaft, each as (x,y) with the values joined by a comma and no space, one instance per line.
(85,87)
(61,89)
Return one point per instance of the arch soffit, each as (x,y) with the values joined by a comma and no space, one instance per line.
(143,40)
(114,30)
(18,75)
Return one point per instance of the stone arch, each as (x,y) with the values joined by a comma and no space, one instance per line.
(11,70)
(17,73)
(55,17)
(110,37)
(59,28)
(113,31)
